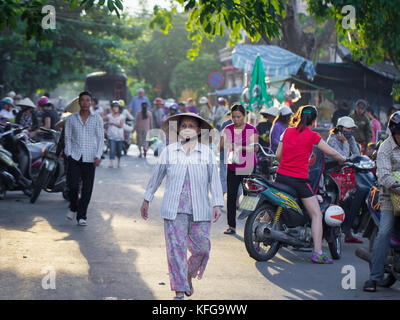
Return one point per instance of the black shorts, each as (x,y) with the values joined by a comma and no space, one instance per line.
(302,186)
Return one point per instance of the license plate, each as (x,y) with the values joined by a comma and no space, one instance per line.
(249,203)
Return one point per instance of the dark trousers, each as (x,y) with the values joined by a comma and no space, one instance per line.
(232,183)
(78,172)
(352,209)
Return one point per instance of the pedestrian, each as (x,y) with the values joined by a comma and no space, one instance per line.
(219,113)
(84,142)
(237,139)
(8,112)
(375,123)
(191,106)
(388,161)
(158,113)
(49,116)
(39,109)
(264,127)
(341,139)
(343,111)
(143,123)
(222,157)
(27,118)
(281,123)
(363,132)
(191,173)
(293,153)
(182,107)
(205,109)
(136,103)
(115,133)
(96,108)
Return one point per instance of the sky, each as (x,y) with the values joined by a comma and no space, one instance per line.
(133,6)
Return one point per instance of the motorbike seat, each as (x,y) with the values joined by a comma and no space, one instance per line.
(283,187)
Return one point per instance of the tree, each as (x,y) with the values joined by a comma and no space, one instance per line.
(79,44)
(370,29)
(30,13)
(194,75)
(158,54)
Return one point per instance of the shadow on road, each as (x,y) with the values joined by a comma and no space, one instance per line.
(111,270)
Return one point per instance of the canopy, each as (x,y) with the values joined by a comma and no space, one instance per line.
(230,91)
(276,61)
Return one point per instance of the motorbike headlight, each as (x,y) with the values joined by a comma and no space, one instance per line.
(366,165)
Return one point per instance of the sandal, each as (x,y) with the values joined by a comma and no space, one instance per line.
(370,286)
(180,296)
(321,258)
(229,231)
(190,292)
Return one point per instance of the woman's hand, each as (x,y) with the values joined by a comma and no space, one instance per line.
(216,213)
(144,210)
(342,138)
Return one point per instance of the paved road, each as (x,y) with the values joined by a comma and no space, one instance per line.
(120,256)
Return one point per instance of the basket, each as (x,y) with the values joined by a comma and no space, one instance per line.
(394,197)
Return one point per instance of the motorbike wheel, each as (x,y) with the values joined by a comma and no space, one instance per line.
(260,251)
(3,190)
(335,247)
(39,184)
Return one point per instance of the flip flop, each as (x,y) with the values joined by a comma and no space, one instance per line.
(370,286)
(190,292)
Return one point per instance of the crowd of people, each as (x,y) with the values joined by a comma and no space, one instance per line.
(189,212)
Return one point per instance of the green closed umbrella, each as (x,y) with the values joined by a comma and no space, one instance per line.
(259,96)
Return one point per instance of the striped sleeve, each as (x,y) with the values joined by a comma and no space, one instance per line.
(157,176)
(215,183)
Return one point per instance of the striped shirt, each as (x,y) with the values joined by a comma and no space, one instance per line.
(203,175)
(84,140)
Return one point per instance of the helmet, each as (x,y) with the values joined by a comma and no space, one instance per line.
(8,100)
(346,122)
(203,100)
(221,100)
(273,111)
(285,111)
(174,106)
(394,123)
(115,103)
(334,216)
(158,101)
(42,101)
(122,103)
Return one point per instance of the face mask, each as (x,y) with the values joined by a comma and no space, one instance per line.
(347,134)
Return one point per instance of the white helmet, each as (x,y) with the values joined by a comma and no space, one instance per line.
(346,122)
(203,100)
(334,216)
(285,111)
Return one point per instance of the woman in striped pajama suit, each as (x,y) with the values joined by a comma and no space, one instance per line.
(192,172)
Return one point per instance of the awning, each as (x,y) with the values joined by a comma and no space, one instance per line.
(276,61)
(230,91)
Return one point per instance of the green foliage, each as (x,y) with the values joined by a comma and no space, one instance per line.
(30,13)
(79,44)
(194,75)
(376,36)
(159,54)
(209,18)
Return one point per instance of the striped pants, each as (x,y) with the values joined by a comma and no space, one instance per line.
(182,234)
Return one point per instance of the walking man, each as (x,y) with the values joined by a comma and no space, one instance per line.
(84,140)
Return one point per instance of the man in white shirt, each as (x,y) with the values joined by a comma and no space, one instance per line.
(84,141)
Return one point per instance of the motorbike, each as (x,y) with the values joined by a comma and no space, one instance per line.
(52,173)
(276,217)
(392,264)
(355,174)
(15,161)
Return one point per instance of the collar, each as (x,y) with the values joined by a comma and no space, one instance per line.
(197,147)
(393,143)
